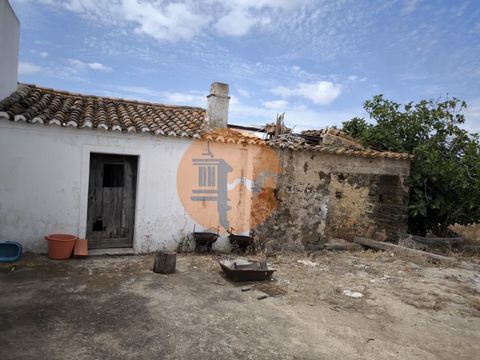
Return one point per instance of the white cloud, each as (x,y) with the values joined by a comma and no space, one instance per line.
(321,92)
(178,20)
(191,98)
(236,23)
(302,118)
(162,20)
(356,78)
(78,65)
(140,90)
(243,15)
(245,114)
(472,116)
(297,117)
(276,104)
(98,66)
(243,92)
(409,6)
(44,54)
(26,68)
(239,22)
(170,22)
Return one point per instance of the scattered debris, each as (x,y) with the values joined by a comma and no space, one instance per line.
(246,289)
(261,297)
(352,294)
(270,289)
(342,245)
(307,262)
(412,252)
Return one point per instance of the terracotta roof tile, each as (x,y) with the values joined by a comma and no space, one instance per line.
(349,147)
(44,106)
(37,105)
(233,137)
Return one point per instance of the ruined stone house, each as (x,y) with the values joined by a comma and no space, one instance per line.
(331,187)
(141,176)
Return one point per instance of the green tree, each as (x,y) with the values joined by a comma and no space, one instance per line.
(445,172)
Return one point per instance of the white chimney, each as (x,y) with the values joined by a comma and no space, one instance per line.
(217,107)
(9,39)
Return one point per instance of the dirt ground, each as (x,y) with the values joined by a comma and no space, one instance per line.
(117,308)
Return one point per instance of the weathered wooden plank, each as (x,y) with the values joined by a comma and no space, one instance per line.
(413,252)
(129,198)
(112,211)
(95,202)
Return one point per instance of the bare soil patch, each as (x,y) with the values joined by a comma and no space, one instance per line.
(117,308)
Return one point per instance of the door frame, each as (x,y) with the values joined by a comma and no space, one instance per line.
(127,198)
(85,179)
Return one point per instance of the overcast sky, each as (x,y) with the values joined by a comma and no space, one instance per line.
(317,61)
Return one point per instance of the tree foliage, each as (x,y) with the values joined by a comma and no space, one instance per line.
(445,172)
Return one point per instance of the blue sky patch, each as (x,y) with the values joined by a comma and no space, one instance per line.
(317,61)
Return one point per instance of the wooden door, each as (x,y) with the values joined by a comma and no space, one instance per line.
(111,201)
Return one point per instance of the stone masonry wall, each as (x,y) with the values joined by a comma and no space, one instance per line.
(321,196)
(367,205)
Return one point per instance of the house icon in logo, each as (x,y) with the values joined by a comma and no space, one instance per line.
(213,183)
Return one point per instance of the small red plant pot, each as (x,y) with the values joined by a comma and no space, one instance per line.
(60,246)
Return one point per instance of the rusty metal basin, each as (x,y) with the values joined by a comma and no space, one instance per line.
(246,270)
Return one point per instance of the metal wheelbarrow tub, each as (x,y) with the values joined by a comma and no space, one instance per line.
(204,239)
(10,252)
(240,241)
(246,270)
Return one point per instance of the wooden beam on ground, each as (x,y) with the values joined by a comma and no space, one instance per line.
(401,250)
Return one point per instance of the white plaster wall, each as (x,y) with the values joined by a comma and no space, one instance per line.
(9,38)
(44,174)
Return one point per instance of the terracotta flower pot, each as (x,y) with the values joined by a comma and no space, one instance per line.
(60,246)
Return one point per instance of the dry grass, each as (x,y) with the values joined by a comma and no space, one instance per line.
(471,232)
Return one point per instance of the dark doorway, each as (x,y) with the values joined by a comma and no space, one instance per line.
(111,201)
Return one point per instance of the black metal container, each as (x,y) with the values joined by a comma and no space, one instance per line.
(204,240)
(240,242)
